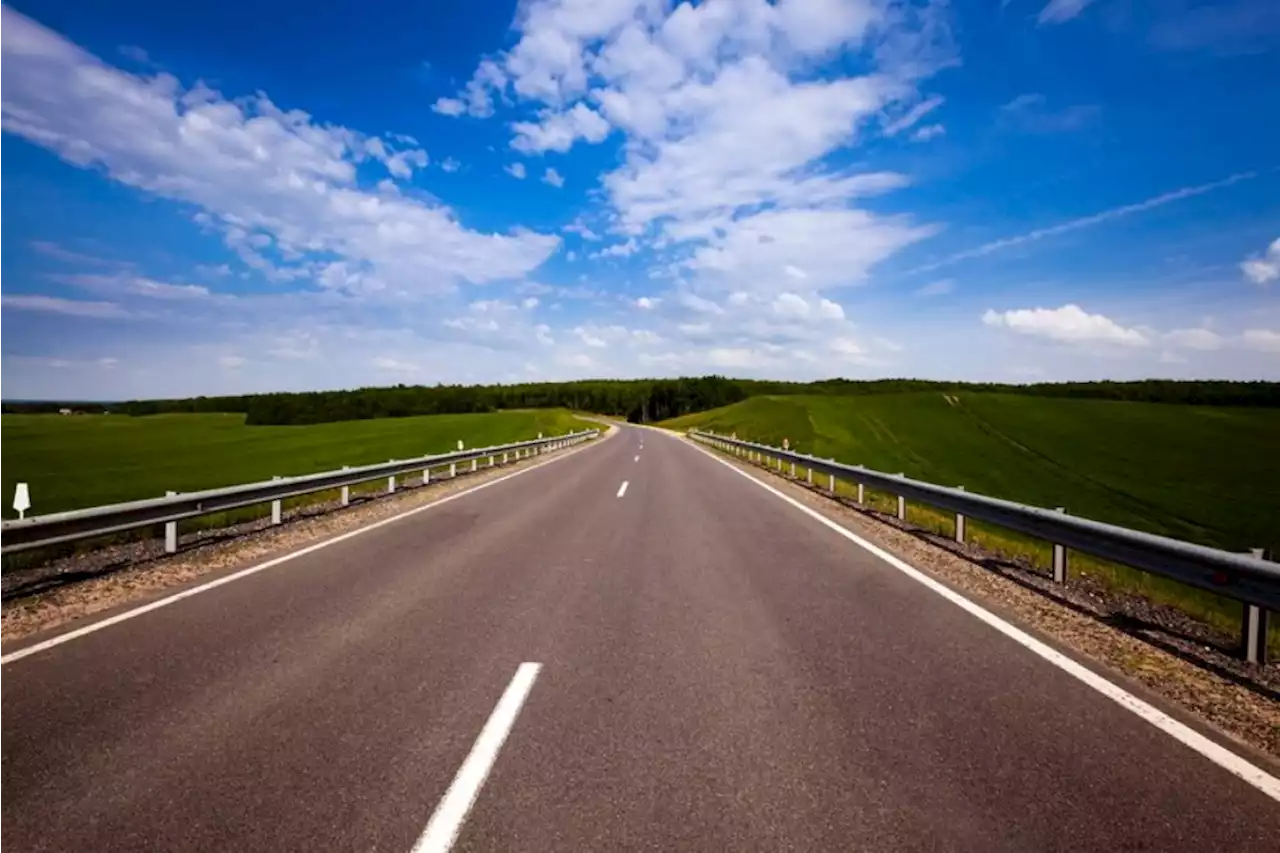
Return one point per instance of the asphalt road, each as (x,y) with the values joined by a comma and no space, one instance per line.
(718,671)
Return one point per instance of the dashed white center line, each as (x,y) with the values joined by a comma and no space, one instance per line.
(622,490)
(442,830)
(637,459)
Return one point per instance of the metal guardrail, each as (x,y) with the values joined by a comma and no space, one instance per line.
(58,527)
(1248,578)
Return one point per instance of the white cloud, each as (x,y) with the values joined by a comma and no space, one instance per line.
(729,126)
(247,164)
(570,256)
(1262,340)
(558,131)
(232,362)
(1060,11)
(795,272)
(646,303)
(929,131)
(450,165)
(941,287)
(552,177)
(1197,339)
(790,305)
(829,310)
(589,338)
(529,303)
(394,365)
(58,305)
(516,170)
(913,116)
(542,333)
(449,106)
(1069,324)
(577,227)
(1264,269)
(618,250)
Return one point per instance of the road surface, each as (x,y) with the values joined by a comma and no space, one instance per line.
(718,671)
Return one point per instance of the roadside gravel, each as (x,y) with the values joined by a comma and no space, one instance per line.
(64,590)
(1161,648)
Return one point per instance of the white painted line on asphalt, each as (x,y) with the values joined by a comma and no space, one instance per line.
(1189,737)
(622,490)
(253,570)
(442,830)
(637,459)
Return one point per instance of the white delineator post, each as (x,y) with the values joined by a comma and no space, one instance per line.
(426,476)
(391,482)
(960,522)
(276,508)
(1059,557)
(345,500)
(453,469)
(170,531)
(1253,628)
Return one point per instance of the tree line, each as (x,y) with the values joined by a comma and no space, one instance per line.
(637,400)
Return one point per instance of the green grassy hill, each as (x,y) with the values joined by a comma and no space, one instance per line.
(86,460)
(1201,473)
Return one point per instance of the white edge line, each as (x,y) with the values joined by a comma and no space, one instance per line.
(1189,737)
(451,813)
(622,490)
(244,573)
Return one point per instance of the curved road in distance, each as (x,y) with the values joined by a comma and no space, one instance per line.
(718,671)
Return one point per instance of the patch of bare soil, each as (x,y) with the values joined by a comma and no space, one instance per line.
(55,593)
(1162,648)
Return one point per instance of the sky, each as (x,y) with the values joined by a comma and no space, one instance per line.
(268,196)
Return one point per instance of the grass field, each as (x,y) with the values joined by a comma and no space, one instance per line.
(1204,474)
(87,460)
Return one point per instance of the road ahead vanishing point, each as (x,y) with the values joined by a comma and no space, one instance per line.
(628,647)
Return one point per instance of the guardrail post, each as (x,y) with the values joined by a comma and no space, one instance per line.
(793,470)
(960,522)
(1059,557)
(391,483)
(276,506)
(346,490)
(170,531)
(1253,628)
(491,460)
(474,464)
(504,457)
(453,470)
(426,476)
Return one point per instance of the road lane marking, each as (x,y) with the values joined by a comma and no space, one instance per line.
(637,459)
(445,824)
(622,490)
(1184,734)
(252,570)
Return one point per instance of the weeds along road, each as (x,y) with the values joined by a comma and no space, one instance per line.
(629,647)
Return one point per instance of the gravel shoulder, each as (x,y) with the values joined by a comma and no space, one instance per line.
(66,590)
(1158,648)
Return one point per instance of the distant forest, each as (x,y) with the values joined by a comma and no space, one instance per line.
(638,400)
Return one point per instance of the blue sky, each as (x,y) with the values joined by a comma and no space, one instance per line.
(279,196)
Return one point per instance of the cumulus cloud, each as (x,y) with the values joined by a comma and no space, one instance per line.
(516,170)
(1069,324)
(558,131)
(1265,268)
(1197,339)
(728,126)
(552,177)
(249,166)
(929,131)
